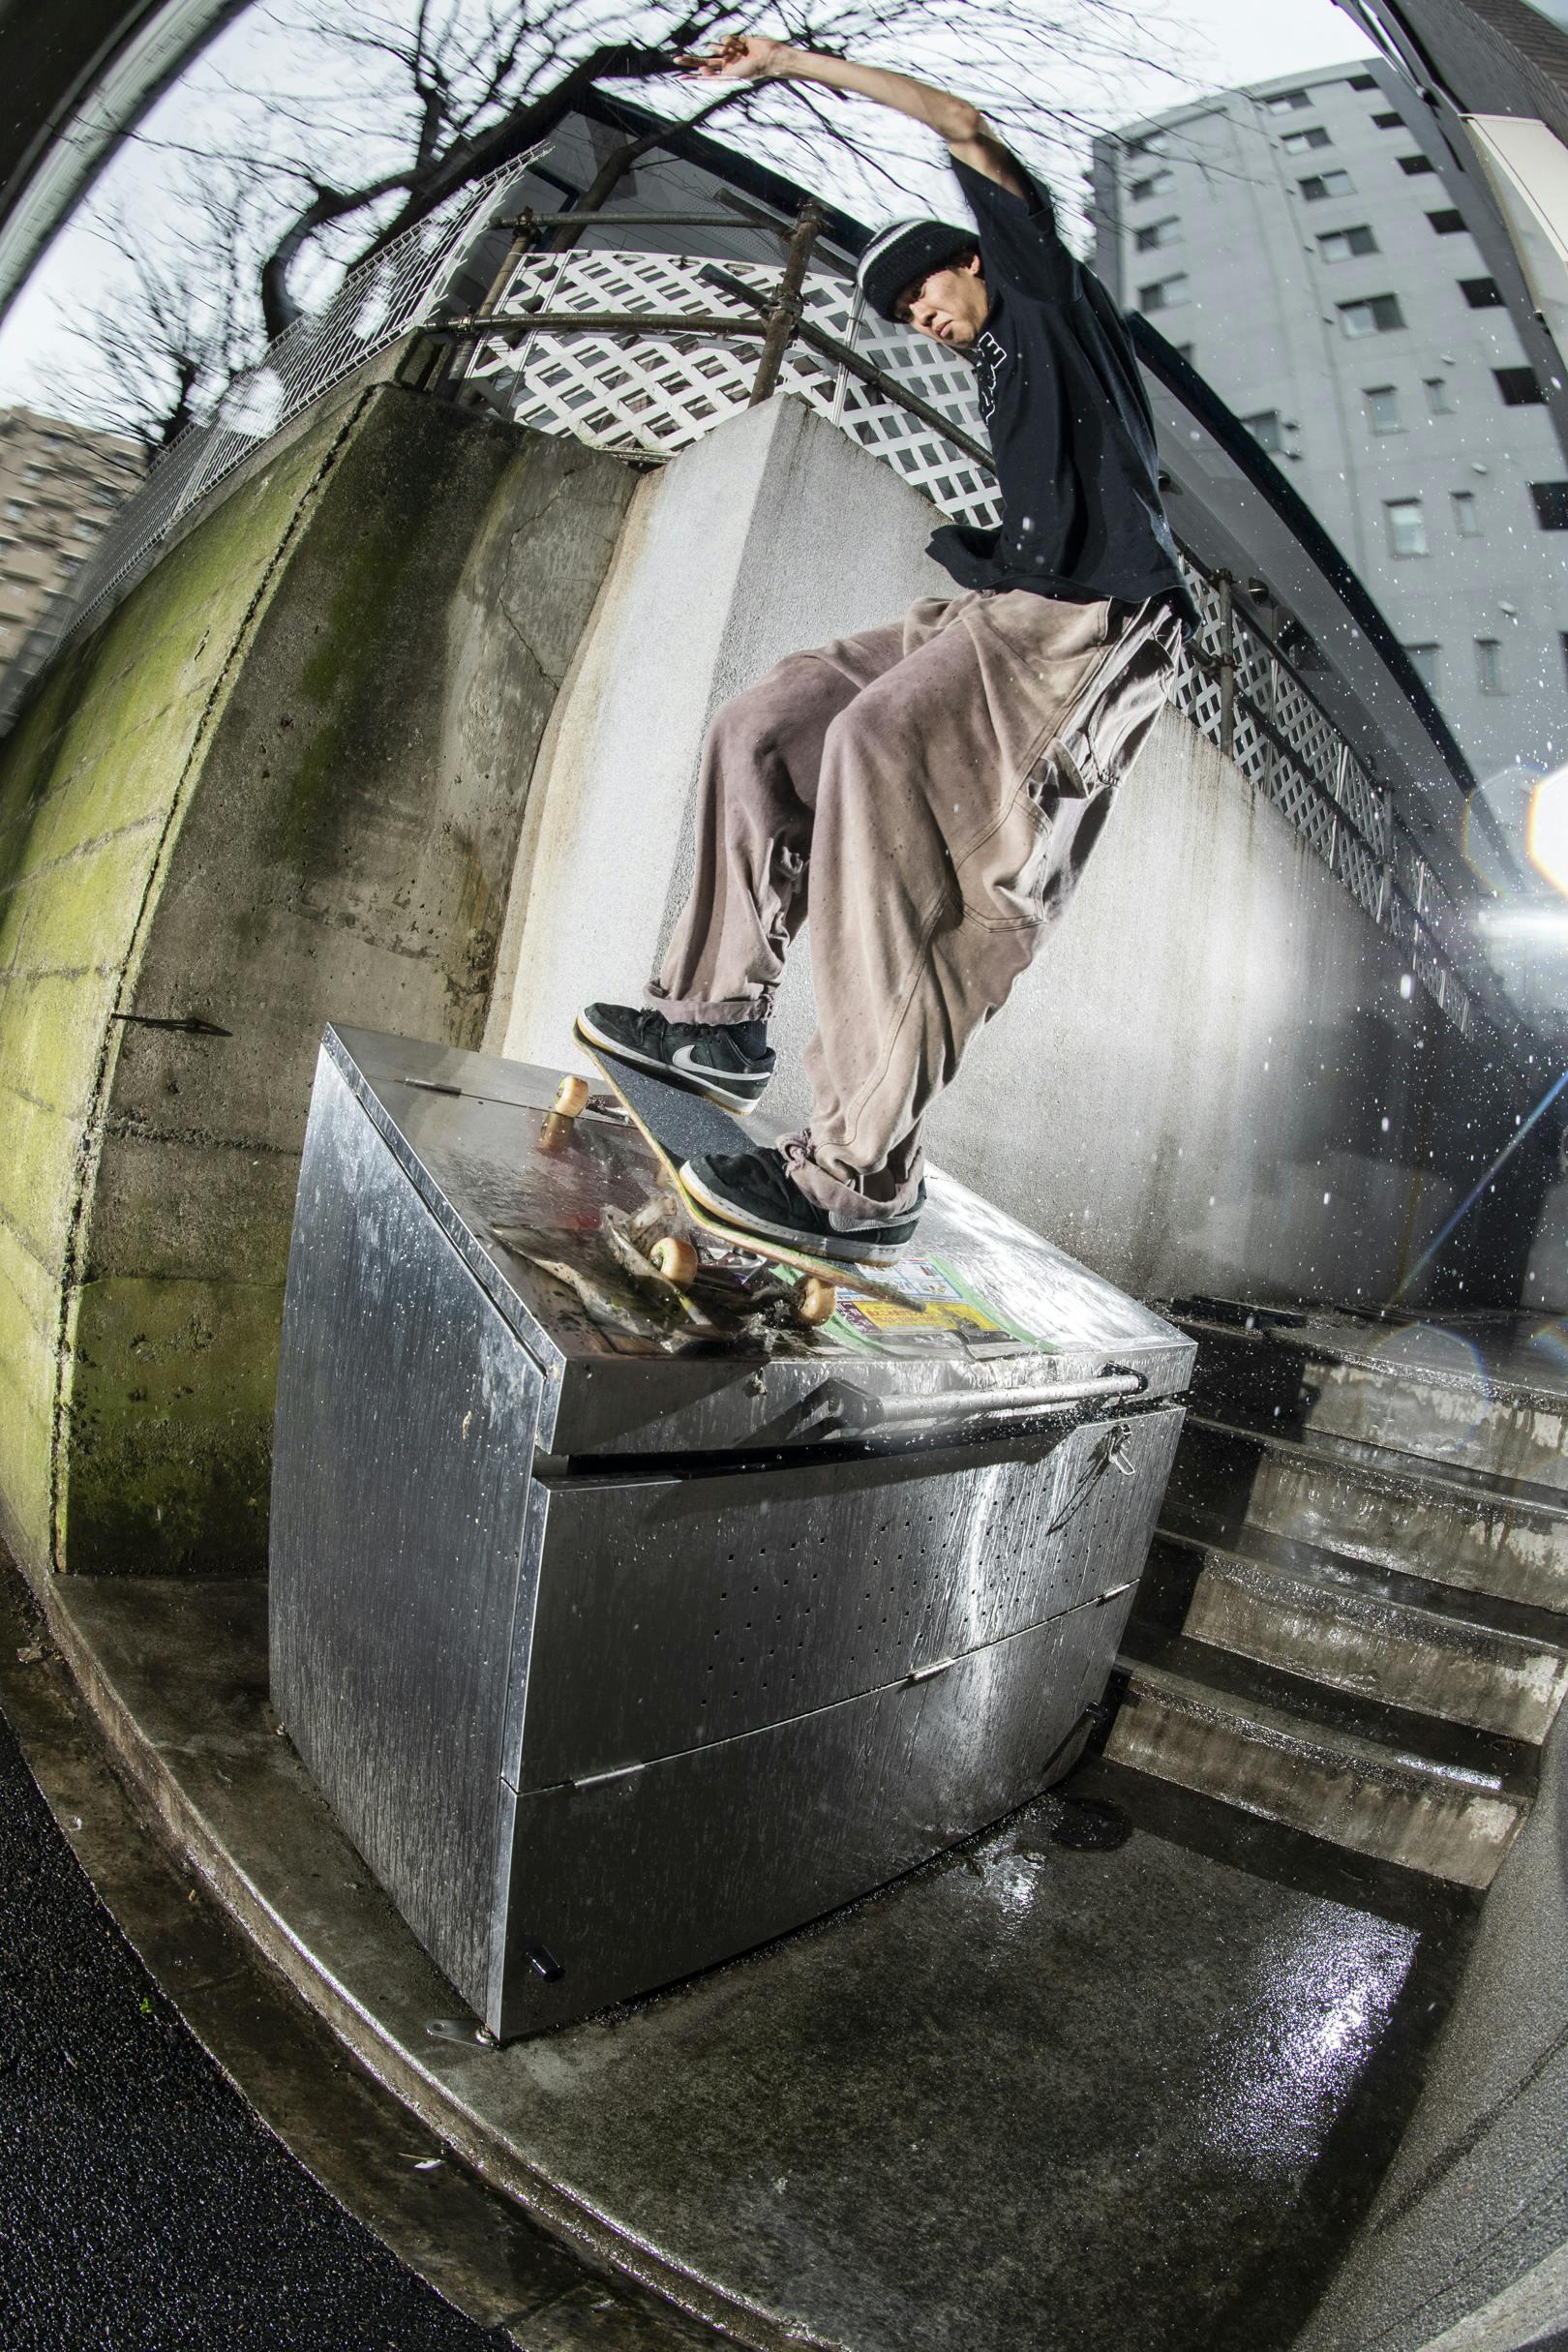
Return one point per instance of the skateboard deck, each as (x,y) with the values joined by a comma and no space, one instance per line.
(677,1125)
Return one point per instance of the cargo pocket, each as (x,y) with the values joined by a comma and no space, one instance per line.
(1011,881)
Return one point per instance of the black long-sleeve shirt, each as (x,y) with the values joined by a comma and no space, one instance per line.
(1073,437)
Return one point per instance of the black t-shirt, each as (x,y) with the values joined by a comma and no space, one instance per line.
(1072,435)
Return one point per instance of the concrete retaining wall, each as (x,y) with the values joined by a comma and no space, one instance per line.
(282,781)
(1210,1080)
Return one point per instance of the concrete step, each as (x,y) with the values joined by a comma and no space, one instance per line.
(1363,1630)
(1484,1393)
(1453,1526)
(1187,1718)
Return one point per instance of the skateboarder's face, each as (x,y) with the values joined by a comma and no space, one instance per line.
(949,304)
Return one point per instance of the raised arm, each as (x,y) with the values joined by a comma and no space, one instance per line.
(750,57)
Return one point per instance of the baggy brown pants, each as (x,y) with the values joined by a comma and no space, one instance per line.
(931,792)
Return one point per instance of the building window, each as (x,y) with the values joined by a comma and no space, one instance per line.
(1298,142)
(1327,184)
(1407,526)
(1424,661)
(1438,403)
(1519,387)
(1481,293)
(88,529)
(1467,513)
(1159,232)
(1447,224)
(1387,122)
(1158,183)
(1562,638)
(1489,674)
(1164,294)
(1378,314)
(1343,244)
(1287,102)
(1382,407)
(1264,429)
(1361,81)
(1551,505)
(1183,350)
(1413,166)
(17,509)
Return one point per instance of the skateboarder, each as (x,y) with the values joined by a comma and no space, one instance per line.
(932,787)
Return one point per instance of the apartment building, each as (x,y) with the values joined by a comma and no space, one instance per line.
(59,484)
(1294,242)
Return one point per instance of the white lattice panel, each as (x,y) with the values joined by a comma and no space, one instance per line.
(1311,736)
(657,393)
(1363,803)
(1359,870)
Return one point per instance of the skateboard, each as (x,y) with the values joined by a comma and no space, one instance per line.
(678,1124)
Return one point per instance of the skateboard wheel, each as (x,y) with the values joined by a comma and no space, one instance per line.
(570,1096)
(817,1300)
(676,1261)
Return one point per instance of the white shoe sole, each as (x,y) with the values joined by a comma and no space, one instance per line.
(837,1248)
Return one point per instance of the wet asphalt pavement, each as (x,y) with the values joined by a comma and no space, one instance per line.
(143,2207)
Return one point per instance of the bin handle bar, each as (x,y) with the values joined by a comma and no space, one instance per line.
(1053,1398)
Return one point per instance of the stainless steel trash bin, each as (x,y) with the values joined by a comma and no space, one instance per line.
(619,1640)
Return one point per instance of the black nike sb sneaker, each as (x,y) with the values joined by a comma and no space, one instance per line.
(726,1065)
(755,1192)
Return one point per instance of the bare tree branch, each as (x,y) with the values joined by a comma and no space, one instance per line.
(396,104)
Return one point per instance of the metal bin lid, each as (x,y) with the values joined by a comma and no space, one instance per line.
(997,1319)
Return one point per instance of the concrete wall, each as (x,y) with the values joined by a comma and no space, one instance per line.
(1472,2215)
(284,781)
(1210,1080)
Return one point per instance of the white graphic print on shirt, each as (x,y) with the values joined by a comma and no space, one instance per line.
(989,355)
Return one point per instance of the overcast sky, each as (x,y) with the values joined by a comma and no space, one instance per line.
(1220,42)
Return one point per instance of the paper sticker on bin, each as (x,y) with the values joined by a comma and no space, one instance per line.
(621,1638)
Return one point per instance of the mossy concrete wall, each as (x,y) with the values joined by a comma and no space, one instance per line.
(284,782)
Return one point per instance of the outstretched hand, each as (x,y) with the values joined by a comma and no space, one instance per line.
(737,57)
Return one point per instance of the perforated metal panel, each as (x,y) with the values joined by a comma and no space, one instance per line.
(686,1611)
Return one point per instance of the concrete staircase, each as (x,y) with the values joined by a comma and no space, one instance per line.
(1354,1619)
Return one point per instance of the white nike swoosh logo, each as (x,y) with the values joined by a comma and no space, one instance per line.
(685,1057)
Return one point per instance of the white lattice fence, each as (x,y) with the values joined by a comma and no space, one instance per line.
(656,392)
